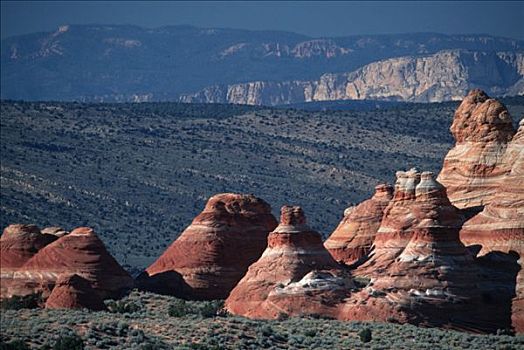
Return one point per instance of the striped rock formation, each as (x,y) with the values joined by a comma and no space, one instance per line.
(352,240)
(430,277)
(396,228)
(81,252)
(497,232)
(500,226)
(74,292)
(295,275)
(18,244)
(482,128)
(215,251)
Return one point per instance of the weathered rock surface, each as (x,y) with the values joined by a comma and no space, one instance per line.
(497,233)
(209,258)
(55,230)
(81,252)
(396,228)
(352,240)
(295,275)
(74,292)
(421,272)
(414,79)
(500,225)
(473,169)
(19,243)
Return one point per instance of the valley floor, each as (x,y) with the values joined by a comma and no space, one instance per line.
(147,324)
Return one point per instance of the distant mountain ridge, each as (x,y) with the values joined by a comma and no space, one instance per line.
(115,63)
(443,76)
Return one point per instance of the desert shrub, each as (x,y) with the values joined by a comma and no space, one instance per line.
(266,331)
(365,335)
(16,302)
(179,308)
(199,346)
(212,308)
(310,332)
(122,306)
(69,342)
(282,316)
(14,345)
(137,336)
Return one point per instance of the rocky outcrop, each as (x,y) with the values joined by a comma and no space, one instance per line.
(421,273)
(442,76)
(397,225)
(74,292)
(496,234)
(209,258)
(269,93)
(55,231)
(352,240)
(500,225)
(295,275)
(81,252)
(475,166)
(19,243)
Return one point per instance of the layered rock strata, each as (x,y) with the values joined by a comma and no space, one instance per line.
(296,275)
(408,78)
(21,242)
(81,252)
(214,252)
(421,273)
(496,234)
(500,225)
(352,240)
(18,244)
(396,228)
(74,292)
(472,169)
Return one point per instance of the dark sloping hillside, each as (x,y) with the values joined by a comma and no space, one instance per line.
(139,173)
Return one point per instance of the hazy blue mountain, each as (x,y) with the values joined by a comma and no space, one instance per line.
(130,63)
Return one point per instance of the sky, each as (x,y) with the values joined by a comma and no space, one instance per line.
(313,18)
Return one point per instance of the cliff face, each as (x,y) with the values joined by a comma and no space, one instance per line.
(445,75)
(122,63)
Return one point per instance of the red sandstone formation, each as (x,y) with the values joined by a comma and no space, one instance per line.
(19,243)
(498,232)
(396,228)
(81,252)
(421,273)
(351,242)
(500,226)
(482,128)
(74,292)
(295,275)
(214,252)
